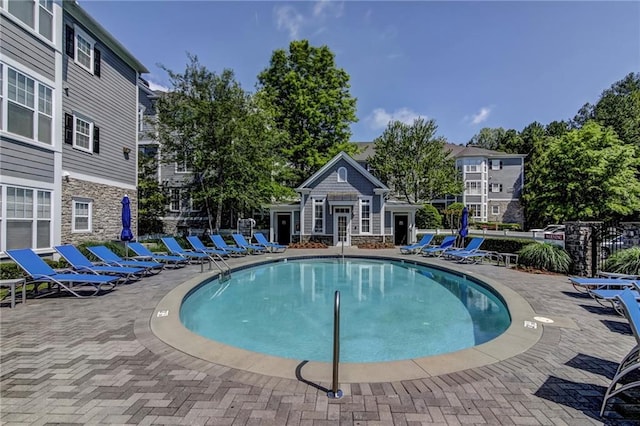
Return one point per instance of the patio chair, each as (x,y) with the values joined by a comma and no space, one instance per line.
(143,253)
(583,285)
(631,362)
(272,247)
(221,244)
(251,248)
(469,252)
(415,248)
(39,271)
(109,257)
(176,249)
(611,295)
(80,262)
(199,246)
(446,243)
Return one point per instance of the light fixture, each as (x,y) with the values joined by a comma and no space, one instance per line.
(65,175)
(126,150)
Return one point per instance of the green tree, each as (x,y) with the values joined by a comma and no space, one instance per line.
(226,136)
(414,162)
(453,214)
(312,105)
(488,138)
(428,217)
(586,174)
(619,108)
(151,198)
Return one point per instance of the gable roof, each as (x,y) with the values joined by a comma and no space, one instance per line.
(331,163)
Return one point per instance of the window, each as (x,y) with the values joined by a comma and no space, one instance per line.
(29,106)
(472,166)
(28,218)
(474,187)
(496,165)
(496,187)
(82,133)
(183,167)
(475,211)
(174,199)
(141,110)
(38,15)
(495,210)
(365,216)
(82,216)
(82,49)
(318,216)
(342,174)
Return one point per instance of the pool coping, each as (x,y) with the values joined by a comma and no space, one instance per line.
(522,334)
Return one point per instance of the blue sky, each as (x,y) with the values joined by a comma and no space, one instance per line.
(467,65)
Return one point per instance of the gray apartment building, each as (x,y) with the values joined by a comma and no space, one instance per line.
(493,182)
(68,126)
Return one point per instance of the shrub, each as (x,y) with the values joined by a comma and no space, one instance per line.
(115,246)
(545,256)
(624,262)
(428,217)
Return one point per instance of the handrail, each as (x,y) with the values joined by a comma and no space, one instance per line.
(336,393)
(222,271)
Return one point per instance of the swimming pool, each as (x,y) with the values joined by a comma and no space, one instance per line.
(390,310)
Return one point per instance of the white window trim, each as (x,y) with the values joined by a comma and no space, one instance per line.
(78,32)
(314,202)
(5,220)
(4,98)
(476,191)
(495,164)
(90,217)
(75,131)
(496,186)
(171,200)
(344,172)
(4,10)
(186,168)
(141,111)
(370,200)
(493,210)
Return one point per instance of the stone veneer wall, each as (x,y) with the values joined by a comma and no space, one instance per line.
(328,239)
(579,243)
(106,215)
(511,211)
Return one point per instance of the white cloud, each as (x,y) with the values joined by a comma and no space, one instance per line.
(380,118)
(288,18)
(156,86)
(481,116)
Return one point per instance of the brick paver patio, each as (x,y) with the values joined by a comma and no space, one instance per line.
(95,361)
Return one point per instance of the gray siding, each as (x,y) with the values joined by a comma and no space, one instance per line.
(110,101)
(328,183)
(509,176)
(25,48)
(21,160)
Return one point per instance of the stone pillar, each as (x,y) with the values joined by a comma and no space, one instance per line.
(579,237)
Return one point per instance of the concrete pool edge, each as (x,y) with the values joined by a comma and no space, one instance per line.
(521,335)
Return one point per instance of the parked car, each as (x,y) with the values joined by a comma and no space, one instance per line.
(612,245)
(549,228)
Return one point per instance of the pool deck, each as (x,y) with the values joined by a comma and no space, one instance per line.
(96,360)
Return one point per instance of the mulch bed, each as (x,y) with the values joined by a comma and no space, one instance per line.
(376,246)
(308,245)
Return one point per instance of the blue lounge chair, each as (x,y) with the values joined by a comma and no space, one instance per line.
(242,242)
(143,253)
(110,258)
(446,243)
(176,249)
(631,362)
(469,252)
(273,247)
(220,244)
(39,271)
(199,246)
(81,263)
(598,283)
(611,295)
(415,248)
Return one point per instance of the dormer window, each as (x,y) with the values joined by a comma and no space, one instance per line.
(342,174)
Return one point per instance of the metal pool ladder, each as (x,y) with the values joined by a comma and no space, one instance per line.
(225,274)
(336,393)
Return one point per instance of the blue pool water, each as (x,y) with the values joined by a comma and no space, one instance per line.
(390,310)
